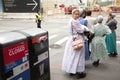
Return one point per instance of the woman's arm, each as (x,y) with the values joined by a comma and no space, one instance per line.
(78,27)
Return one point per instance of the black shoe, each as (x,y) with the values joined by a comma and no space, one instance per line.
(115,54)
(111,55)
(71,74)
(81,75)
(89,53)
(96,63)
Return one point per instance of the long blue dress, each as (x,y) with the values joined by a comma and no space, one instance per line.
(84,22)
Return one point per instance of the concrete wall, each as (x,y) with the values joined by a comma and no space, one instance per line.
(49,7)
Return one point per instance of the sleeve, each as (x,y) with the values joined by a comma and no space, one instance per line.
(92,30)
(108,31)
(108,23)
(112,24)
(77,27)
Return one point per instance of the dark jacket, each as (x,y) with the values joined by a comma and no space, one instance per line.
(112,24)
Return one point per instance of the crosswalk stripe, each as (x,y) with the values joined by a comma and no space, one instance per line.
(61,41)
(2,30)
(53,36)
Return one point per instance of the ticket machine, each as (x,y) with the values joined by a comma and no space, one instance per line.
(14,56)
(39,53)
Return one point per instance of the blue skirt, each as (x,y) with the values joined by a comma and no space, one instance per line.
(87,56)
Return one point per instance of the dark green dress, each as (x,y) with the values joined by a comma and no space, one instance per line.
(111,38)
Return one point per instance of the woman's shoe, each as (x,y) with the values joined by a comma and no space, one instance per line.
(115,54)
(96,63)
(81,75)
(71,74)
(111,55)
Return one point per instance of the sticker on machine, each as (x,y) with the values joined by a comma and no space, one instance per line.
(42,57)
(15,52)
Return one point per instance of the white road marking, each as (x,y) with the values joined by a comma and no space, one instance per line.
(2,30)
(61,41)
(53,36)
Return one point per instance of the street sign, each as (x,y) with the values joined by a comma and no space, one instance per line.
(21,5)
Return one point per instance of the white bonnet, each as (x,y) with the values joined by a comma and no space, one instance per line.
(100,18)
(74,10)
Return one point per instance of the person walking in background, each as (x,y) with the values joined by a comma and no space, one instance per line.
(74,60)
(90,20)
(38,19)
(84,22)
(98,46)
(111,38)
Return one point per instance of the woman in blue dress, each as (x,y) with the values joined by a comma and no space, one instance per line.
(84,22)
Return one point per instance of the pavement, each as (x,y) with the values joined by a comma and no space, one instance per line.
(107,70)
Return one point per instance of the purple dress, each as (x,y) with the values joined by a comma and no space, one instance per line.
(74,60)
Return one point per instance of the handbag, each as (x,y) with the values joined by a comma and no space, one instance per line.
(77,43)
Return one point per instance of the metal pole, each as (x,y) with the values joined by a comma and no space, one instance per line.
(41,8)
(40,4)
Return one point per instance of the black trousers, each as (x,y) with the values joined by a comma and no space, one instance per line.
(39,24)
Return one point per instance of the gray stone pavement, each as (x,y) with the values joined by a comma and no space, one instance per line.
(108,70)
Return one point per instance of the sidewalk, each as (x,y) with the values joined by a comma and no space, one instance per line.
(107,70)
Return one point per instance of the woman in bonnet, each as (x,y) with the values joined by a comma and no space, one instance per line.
(111,38)
(74,60)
